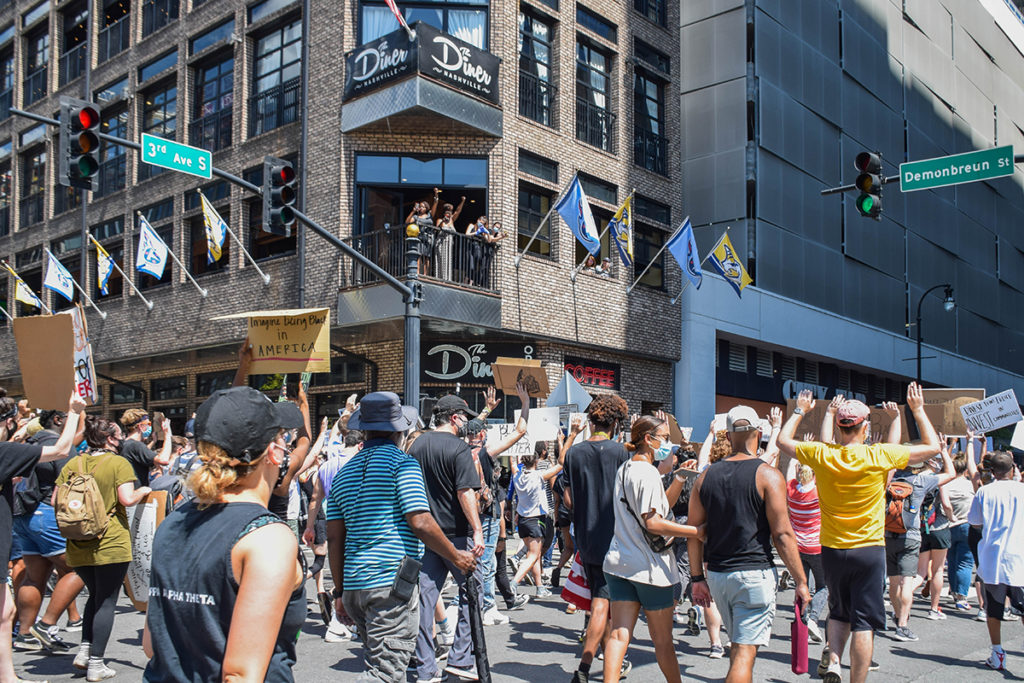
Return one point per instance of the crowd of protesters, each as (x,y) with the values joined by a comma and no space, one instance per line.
(398,506)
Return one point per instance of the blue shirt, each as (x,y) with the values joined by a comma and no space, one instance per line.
(372,494)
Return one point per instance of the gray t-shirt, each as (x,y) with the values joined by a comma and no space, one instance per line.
(923,483)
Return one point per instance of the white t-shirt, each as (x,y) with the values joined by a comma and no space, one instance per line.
(999,509)
(533,499)
(629,556)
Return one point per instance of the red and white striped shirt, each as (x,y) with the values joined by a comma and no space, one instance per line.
(805,516)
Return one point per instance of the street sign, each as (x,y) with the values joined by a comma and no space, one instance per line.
(968,167)
(176,156)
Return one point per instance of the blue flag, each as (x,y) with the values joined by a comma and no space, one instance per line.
(575,211)
(683,247)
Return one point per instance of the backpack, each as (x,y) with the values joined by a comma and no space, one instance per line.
(897,494)
(81,513)
(929,510)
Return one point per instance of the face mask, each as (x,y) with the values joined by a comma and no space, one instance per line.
(117,448)
(82,447)
(147,432)
(664,450)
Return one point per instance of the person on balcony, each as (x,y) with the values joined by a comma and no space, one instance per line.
(474,259)
(423,216)
(445,241)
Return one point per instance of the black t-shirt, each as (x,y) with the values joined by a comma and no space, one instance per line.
(487,466)
(141,458)
(448,466)
(47,472)
(591,468)
(16,460)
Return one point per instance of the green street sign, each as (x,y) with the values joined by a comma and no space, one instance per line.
(176,156)
(968,167)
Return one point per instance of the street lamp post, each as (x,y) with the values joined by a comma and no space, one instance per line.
(412,316)
(948,304)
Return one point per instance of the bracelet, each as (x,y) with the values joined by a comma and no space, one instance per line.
(697,578)
(335,593)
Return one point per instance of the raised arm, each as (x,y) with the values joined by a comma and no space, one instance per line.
(244,363)
(929,445)
(895,433)
(771,451)
(67,435)
(972,466)
(828,422)
(163,458)
(458,209)
(948,472)
(704,456)
(787,437)
(575,429)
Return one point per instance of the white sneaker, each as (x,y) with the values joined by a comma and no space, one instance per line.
(452,613)
(543,592)
(814,631)
(834,673)
(339,633)
(936,614)
(996,660)
(493,617)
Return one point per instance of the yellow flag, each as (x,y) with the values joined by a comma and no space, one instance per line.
(723,258)
(23,292)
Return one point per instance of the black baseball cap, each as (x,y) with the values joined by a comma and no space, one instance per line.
(243,421)
(451,403)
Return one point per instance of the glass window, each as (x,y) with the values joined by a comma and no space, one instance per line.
(29,256)
(114,29)
(158,66)
(647,241)
(376,169)
(470,172)
(113,172)
(115,91)
(216,191)
(214,92)
(72,242)
(37,49)
(344,370)
(157,13)
(7,33)
(37,12)
(656,58)
(593,21)
(159,117)
(122,393)
(538,166)
(536,91)
(648,208)
(421,171)
(111,228)
(6,82)
(215,35)
(169,387)
(276,83)
(534,204)
(209,382)
(594,121)
(197,234)
(459,19)
(76,25)
(599,189)
(33,183)
(5,199)
(33,134)
(159,211)
(650,146)
(266,8)
(652,9)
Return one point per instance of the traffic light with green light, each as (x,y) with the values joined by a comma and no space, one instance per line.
(79,144)
(278,196)
(869,182)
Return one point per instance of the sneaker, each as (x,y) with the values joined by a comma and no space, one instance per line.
(1010,616)
(436,678)
(814,631)
(47,636)
(980,616)
(824,662)
(936,615)
(465,673)
(339,633)
(99,672)
(571,608)
(996,660)
(580,677)
(717,652)
(833,673)
(963,605)
(26,642)
(543,592)
(82,658)
(493,617)
(519,602)
(627,666)
(441,652)
(905,634)
(874,666)
(692,623)
(74,626)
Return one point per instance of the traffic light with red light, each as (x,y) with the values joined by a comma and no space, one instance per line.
(869,182)
(278,196)
(79,144)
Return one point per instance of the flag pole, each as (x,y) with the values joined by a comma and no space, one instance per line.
(655,257)
(149,304)
(519,256)
(103,314)
(6,314)
(38,297)
(577,269)
(175,258)
(266,278)
(703,261)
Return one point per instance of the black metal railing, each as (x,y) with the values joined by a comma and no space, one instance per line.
(536,97)
(6,100)
(35,85)
(113,175)
(5,220)
(213,131)
(445,256)
(274,107)
(72,64)
(114,39)
(595,125)
(650,150)
(32,209)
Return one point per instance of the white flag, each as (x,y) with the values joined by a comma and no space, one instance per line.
(152,255)
(58,278)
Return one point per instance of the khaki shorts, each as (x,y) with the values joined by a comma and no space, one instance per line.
(746,600)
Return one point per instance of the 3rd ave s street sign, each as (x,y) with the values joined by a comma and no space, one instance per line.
(176,156)
(968,167)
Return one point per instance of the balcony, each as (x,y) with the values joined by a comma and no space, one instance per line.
(213,131)
(32,209)
(114,39)
(274,107)
(595,125)
(650,150)
(535,98)
(35,86)
(72,64)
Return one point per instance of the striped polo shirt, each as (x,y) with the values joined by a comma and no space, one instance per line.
(805,516)
(372,494)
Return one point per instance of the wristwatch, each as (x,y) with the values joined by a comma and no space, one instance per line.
(335,593)
(798,411)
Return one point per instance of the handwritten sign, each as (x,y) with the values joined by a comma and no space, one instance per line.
(500,432)
(85,372)
(294,340)
(1000,410)
(143,519)
(541,424)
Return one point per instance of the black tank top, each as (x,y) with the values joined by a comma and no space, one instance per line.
(738,534)
(192,594)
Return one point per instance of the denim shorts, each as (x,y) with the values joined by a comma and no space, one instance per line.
(746,600)
(37,533)
(650,597)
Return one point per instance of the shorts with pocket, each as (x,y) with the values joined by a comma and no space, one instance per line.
(746,600)
(854,577)
(901,555)
(650,597)
(37,533)
(936,539)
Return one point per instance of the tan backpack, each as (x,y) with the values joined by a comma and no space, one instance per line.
(81,513)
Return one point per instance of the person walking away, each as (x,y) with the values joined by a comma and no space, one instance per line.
(532,508)
(742,500)
(960,492)
(226,597)
(805,517)
(592,469)
(936,537)
(998,509)
(851,479)
(102,562)
(640,568)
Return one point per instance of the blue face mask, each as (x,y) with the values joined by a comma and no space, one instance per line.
(147,432)
(664,450)
(82,447)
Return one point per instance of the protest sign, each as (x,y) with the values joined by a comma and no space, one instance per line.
(541,424)
(143,519)
(508,371)
(992,413)
(500,432)
(880,420)
(292,340)
(585,434)
(85,372)
(46,353)
(942,406)
(1018,437)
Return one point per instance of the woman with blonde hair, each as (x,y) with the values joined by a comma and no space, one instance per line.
(226,593)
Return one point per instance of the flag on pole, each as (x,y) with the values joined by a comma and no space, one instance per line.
(723,258)
(23,292)
(58,278)
(104,268)
(152,255)
(398,13)
(574,209)
(683,248)
(621,227)
(216,231)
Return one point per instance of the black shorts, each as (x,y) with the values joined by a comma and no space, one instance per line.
(319,531)
(855,578)
(596,581)
(812,568)
(995,599)
(533,527)
(901,555)
(937,539)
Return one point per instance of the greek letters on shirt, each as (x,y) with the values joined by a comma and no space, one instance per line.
(182,596)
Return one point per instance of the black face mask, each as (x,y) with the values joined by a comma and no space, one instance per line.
(118,447)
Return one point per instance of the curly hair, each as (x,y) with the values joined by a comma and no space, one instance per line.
(641,428)
(722,447)
(217,473)
(607,410)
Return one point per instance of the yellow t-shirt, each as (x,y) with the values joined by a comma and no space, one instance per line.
(851,489)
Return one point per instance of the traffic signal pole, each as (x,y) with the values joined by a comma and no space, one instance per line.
(411,293)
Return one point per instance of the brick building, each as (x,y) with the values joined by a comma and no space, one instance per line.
(570,88)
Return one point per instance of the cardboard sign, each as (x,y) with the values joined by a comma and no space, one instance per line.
(880,420)
(143,519)
(508,371)
(46,351)
(541,423)
(1018,437)
(500,432)
(585,434)
(675,434)
(85,372)
(942,406)
(293,340)
(992,413)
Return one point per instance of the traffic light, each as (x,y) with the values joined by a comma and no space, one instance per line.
(278,196)
(79,144)
(869,182)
